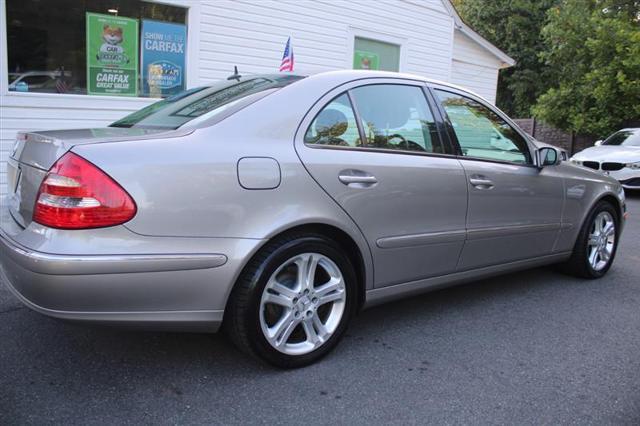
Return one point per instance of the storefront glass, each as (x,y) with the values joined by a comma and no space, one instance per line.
(96,47)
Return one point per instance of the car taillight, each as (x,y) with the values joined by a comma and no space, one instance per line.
(75,194)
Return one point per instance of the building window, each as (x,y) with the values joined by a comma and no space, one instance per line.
(96,47)
(371,54)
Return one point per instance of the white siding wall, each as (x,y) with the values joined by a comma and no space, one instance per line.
(251,34)
(474,67)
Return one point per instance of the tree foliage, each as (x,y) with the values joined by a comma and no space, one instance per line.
(592,51)
(514,26)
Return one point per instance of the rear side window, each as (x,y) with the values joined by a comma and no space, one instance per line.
(481,132)
(392,117)
(334,125)
(396,117)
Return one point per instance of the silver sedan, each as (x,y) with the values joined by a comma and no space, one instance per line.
(278,206)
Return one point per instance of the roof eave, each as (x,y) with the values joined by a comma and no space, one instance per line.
(506,60)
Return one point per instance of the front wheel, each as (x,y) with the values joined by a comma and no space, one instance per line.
(293,301)
(596,245)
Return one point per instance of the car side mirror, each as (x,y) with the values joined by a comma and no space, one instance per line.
(547,156)
(598,143)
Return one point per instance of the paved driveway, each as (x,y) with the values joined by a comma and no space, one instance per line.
(534,347)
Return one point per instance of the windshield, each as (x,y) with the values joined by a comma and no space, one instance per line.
(175,111)
(624,138)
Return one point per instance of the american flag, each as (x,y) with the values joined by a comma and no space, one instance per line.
(287,57)
(61,82)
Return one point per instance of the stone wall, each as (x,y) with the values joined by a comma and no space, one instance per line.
(553,136)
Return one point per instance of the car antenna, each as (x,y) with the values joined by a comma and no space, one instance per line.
(235,75)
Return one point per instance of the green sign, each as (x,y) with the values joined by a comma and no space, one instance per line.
(112,55)
(365,60)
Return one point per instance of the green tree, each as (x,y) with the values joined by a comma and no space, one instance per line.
(513,26)
(593,50)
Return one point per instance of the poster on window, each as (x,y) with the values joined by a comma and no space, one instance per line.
(164,47)
(365,60)
(112,55)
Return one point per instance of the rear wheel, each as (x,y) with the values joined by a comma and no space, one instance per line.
(293,301)
(596,245)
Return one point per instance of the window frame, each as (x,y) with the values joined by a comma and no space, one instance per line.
(192,60)
(441,140)
(453,138)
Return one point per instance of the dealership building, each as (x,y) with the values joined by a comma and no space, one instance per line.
(86,63)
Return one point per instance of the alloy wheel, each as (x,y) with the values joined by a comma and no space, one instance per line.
(302,303)
(601,241)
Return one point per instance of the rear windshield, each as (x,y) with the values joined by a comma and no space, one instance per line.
(624,137)
(175,111)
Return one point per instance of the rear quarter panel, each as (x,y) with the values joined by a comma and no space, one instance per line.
(188,186)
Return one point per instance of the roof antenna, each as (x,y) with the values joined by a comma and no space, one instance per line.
(235,75)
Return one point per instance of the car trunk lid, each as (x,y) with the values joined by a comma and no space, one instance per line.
(35,152)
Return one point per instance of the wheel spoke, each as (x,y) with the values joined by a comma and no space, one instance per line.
(278,299)
(331,297)
(312,335)
(333,285)
(609,229)
(593,257)
(593,240)
(280,332)
(282,289)
(604,254)
(307,270)
(319,326)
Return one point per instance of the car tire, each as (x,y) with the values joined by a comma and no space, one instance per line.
(583,262)
(276,306)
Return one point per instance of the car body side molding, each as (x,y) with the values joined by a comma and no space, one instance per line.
(381,295)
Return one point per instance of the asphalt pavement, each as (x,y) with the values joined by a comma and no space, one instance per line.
(533,347)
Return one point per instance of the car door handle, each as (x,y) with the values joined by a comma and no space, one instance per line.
(481,182)
(357,178)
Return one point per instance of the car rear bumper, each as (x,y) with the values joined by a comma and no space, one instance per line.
(160,290)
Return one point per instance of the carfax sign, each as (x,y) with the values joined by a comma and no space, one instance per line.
(112,55)
(164,46)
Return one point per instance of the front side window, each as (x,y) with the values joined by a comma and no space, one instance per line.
(396,117)
(481,132)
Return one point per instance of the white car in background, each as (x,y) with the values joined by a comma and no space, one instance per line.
(36,81)
(617,156)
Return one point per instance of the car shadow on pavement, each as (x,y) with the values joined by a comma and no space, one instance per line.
(79,346)
(470,334)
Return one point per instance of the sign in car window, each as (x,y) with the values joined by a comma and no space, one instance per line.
(164,46)
(112,55)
